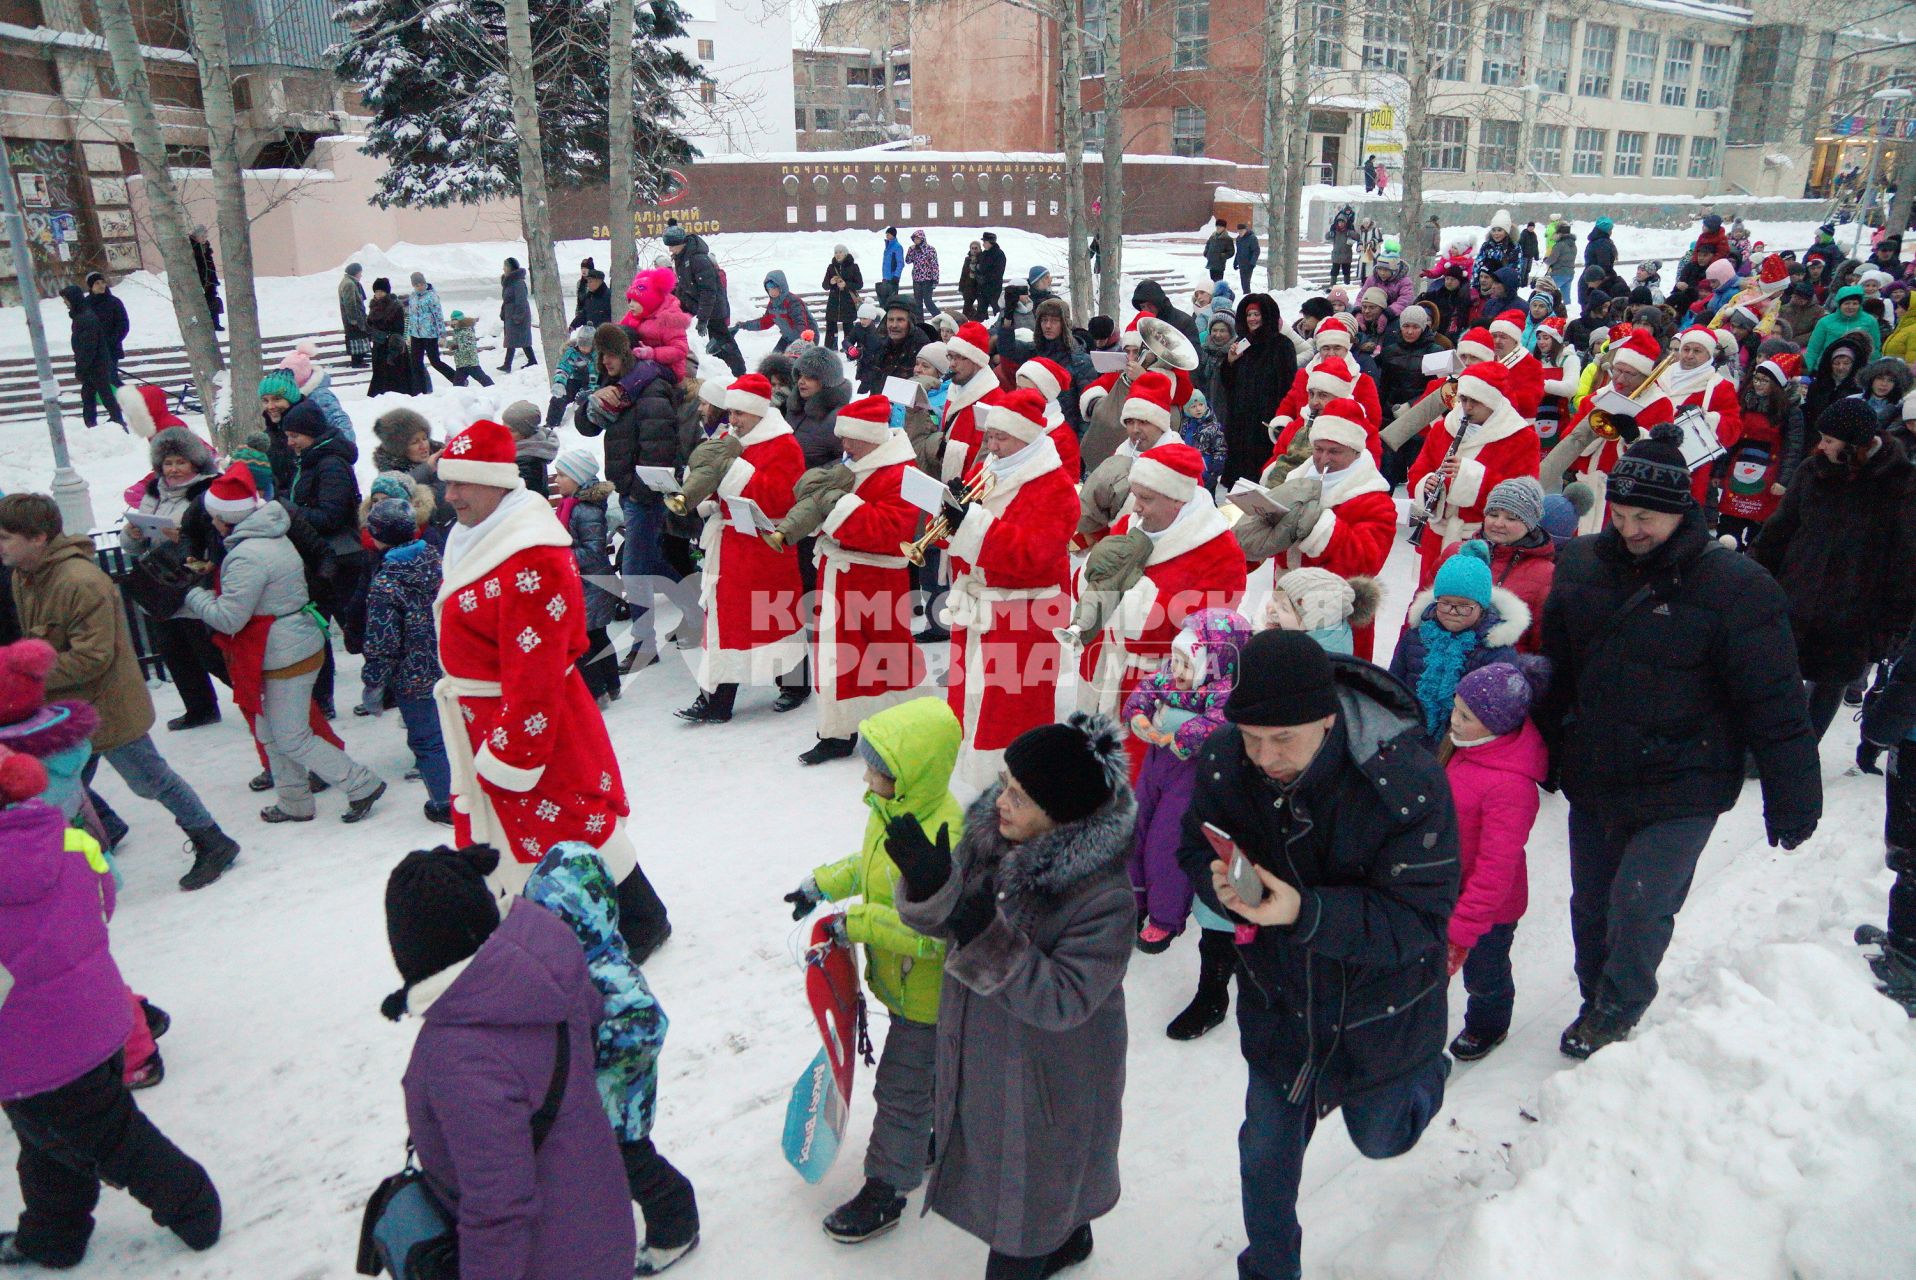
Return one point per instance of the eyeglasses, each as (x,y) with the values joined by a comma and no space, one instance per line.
(1458,608)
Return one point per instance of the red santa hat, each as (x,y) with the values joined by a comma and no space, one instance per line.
(1784,367)
(1173,469)
(1019,414)
(1553,325)
(1149,401)
(972,342)
(1509,324)
(1131,337)
(1333,331)
(1484,382)
(1639,351)
(1333,374)
(484,453)
(750,394)
(1342,421)
(868,419)
(234,495)
(1698,336)
(1048,376)
(1477,345)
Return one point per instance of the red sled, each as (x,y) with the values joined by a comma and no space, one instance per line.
(831,981)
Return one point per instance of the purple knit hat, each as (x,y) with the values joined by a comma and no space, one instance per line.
(1499,694)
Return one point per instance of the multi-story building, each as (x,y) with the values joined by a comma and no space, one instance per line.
(852,87)
(745,46)
(1593,97)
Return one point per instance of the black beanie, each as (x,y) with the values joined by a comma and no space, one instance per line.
(1283,678)
(1850,420)
(1652,474)
(1069,770)
(439,908)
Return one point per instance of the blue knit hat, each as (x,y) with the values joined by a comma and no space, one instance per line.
(1559,519)
(580,466)
(280,383)
(1466,574)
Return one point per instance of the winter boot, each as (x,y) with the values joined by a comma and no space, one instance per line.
(872,1212)
(652,1260)
(1217,960)
(358,810)
(273,813)
(710,708)
(261,781)
(827,749)
(1596,1030)
(791,698)
(439,813)
(213,852)
(190,721)
(1069,1254)
(158,1021)
(1153,939)
(151,1072)
(1469,1046)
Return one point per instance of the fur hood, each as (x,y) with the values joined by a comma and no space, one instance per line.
(597,493)
(1059,860)
(423,504)
(183,442)
(1512,616)
(396,427)
(1890,365)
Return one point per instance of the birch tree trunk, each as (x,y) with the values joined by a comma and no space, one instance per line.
(534,214)
(1297,141)
(1071,134)
(1279,248)
(1111,222)
(625,249)
(1410,204)
(162,200)
(235,222)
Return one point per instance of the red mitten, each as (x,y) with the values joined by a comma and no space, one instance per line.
(1456,960)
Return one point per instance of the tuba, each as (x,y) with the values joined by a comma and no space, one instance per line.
(1170,348)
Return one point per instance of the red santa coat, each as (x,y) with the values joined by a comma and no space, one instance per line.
(1353,534)
(964,422)
(1523,385)
(1288,435)
(1706,389)
(865,659)
(1294,401)
(1009,574)
(532,764)
(1070,454)
(1594,464)
(754,630)
(1500,449)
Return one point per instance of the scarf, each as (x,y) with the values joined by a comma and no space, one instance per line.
(1445,653)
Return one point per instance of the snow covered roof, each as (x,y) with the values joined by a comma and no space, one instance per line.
(1735,14)
(897,151)
(839,51)
(47,36)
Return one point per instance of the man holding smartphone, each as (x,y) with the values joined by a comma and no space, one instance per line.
(1322,783)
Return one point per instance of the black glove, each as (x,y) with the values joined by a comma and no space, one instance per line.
(804,899)
(924,865)
(974,912)
(1627,428)
(955,495)
(1867,753)
(1790,837)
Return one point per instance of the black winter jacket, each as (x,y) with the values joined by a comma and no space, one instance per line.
(1252,387)
(1889,714)
(113,320)
(595,308)
(841,300)
(990,273)
(645,434)
(1402,366)
(883,358)
(1843,550)
(324,489)
(1352,996)
(700,292)
(1599,250)
(812,422)
(1664,672)
(1150,293)
(92,347)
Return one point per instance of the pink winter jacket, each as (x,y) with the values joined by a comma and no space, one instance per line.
(660,336)
(1494,788)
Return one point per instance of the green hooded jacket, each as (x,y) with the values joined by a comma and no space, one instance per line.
(918,741)
(1836,324)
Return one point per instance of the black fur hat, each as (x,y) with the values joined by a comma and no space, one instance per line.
(1069,770)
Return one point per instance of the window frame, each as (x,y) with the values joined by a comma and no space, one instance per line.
(1597,68)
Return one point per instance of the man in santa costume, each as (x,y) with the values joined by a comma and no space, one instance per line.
(1344,519)
(1331,340)
(1524,386)
(973,387)
(1332,378)
(532,765)
(1195,563)
(1475,347)
(1050,380)
(1105,494)
(1008,588)
(1101,405)
(1587,456)
(865,659)
(1482,442)
(751,594)
(1694,381)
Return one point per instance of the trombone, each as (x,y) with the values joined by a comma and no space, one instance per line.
(1601,422)
(940,526)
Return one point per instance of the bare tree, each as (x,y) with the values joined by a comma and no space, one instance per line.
(235,226)
(625,246)
(1286,85)
(1111,221)
(535,213)
(162,198)
(1071,139)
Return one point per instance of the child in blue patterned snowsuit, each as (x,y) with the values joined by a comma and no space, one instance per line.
(571,882)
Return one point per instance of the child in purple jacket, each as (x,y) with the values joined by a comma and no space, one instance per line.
(64,1019)
(1176,711)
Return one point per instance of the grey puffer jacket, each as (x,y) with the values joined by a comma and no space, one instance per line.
(262,573)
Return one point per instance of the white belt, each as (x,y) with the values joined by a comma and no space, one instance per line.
(845,555)
(969,602)
(465,772)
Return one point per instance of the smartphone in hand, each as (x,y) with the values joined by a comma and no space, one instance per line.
(1238,869)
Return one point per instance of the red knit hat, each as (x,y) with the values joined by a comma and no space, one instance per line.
(1784,367)
(1048,376)
(484,453)
(867,419)
(1484,382)
(1477,344)
(1172,469)
(1510,324)
(972,342)
(1333,374)
(1018,413)
(1639,351)
(1343,421)
(1149,401)
(234,495)
(751,393)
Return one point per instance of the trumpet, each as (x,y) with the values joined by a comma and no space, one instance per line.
(675,503)
(940,526)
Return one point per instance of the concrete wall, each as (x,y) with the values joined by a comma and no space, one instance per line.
(1674,212)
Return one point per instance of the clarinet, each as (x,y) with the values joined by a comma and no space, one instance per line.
(1417,523)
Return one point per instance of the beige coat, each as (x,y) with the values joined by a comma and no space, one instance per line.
(70,603)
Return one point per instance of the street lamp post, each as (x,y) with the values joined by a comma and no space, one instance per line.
(1884,96)
(69,490)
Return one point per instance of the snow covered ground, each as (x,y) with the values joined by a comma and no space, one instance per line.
(1759,1126)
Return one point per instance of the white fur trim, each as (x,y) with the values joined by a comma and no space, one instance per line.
(232,512)
(1191,532)
(496,475)
(861,429)
(1138,409)
(1158,478)
(1333,338)
(745,402)
(957,346)
(1696,337)
(1482,392)
(133,408)
(896,448)
(969,539)
(770,426)
(1361,477)
(530,524)
(712,392)
(1313,543)
(502,775)
(1000,418)
(1468,483)
(841,512)
(736,477)
(1630,358)
(1475,351)
(1513,615)
(1512,331)
(1319,380)
(1352,435)
(421,995)
(1092,394)
(1040,379)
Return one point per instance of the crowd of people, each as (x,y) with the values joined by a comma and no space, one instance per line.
(1660,539)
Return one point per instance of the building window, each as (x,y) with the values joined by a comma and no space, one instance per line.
(1093,37)
(825,119)
(1639,65)
(1712,76)
(1450,40)
(798,114)
(1553,70)
(1629,161)
(1587,156)
(860,77)
(1669,150)
(1546,148)
(1385,43)
(1702,157)
(1326,18)
(1187,131)
(1599,60)
(1094,131)
(705,51)
(708,93)
(1497,146)
(1444,138)
(1503,46)
(1193,35)
(1676,72)
(901,73)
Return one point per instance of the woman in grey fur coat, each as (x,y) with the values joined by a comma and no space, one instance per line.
(1036,910)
